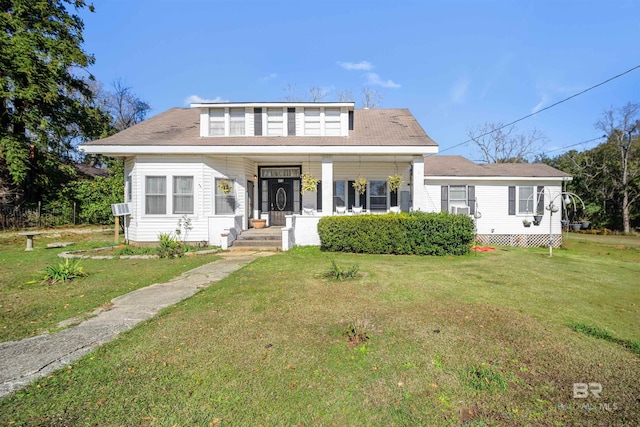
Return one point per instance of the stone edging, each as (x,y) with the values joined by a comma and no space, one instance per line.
(79,254)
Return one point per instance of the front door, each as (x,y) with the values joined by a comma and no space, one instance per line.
(281,202)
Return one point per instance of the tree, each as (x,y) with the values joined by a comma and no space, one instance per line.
(500,144)
(317,94)
(345,96)
(371,98)
(45,103)
(622,125)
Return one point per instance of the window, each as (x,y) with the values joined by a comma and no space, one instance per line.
(332,121)
(236,121)
(155,193)
(216,121)
(274,121)
(378,195)
(458,195)
(129,190)
(525,200)
(225,202)
(182,194)
(312,121)
(339,194)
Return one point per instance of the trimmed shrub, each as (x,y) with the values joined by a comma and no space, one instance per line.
(416,233)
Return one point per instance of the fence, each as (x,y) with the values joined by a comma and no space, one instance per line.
(37,216)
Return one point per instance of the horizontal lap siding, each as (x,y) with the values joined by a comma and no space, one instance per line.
(493,203)
(145,228)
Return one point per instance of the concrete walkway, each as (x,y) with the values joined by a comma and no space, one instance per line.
(24,361)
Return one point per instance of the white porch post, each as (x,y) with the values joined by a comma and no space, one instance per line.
(417,179)
(327,185)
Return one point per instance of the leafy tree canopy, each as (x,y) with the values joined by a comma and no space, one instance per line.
(45,102)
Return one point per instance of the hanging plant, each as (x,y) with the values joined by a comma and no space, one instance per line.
(309,183)
(394,181)
(225,186)
(360,185)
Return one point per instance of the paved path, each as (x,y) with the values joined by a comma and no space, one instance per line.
(24,361)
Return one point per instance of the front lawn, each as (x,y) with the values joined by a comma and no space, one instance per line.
(485,339)
(30,306)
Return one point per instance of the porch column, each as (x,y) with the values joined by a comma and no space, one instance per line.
(327,185)
(417,184)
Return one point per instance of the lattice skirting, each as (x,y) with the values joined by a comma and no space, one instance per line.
(522,240)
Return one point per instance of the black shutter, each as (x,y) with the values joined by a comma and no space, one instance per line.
(471,199)
(351,195)
(394,198)
(444,198)
(319,196)
(257,121)
(291,121)
(540,207)
(350,120)
(512,200)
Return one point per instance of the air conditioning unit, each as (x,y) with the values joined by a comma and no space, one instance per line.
(462,210)
(121,209)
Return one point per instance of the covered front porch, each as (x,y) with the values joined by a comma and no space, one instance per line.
(275,192)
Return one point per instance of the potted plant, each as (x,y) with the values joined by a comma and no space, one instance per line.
(584,223)
(309,183)
(564,222)
(360,185)
(259,222)
(526,222)
(538,217)
(576,226)
(225,186)
(394,181)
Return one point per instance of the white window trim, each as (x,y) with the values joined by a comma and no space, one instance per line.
(460,202)
(168,196)
(533,200)
(234,191)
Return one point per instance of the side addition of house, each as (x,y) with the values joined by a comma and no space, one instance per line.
(504,198)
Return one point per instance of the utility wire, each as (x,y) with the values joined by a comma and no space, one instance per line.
(573,145)
(545,108)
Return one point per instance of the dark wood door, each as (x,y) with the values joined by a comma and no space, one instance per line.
(280,202)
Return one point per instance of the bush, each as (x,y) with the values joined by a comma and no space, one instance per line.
(63,272)
(417,233)
(169,246)
(341,273)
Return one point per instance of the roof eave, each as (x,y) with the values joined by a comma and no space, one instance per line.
(128,150)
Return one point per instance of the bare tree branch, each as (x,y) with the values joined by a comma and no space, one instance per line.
(499,144)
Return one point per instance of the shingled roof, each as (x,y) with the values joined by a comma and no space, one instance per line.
(459,166)
(181,127)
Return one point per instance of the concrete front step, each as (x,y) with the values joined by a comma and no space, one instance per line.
(259,239)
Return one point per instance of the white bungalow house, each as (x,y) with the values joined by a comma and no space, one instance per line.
(222,164)
(502,197)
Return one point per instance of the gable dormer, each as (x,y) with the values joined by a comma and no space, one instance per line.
(275,119)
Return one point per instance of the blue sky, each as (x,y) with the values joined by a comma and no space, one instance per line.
(455,64)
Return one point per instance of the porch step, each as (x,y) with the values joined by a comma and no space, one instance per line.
(269,238)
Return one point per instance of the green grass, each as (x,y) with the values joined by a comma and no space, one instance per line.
(484,339)
(30,306)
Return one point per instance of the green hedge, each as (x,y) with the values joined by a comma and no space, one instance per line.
(416,233)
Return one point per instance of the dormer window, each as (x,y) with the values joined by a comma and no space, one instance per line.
(276,119)
(216,121)
(275,122)
(332,121)
(236,121)
(312,121)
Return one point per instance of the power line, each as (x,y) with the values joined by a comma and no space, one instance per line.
(573,145)
(545,108)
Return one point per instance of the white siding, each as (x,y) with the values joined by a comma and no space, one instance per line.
(493,203)
(145,228)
